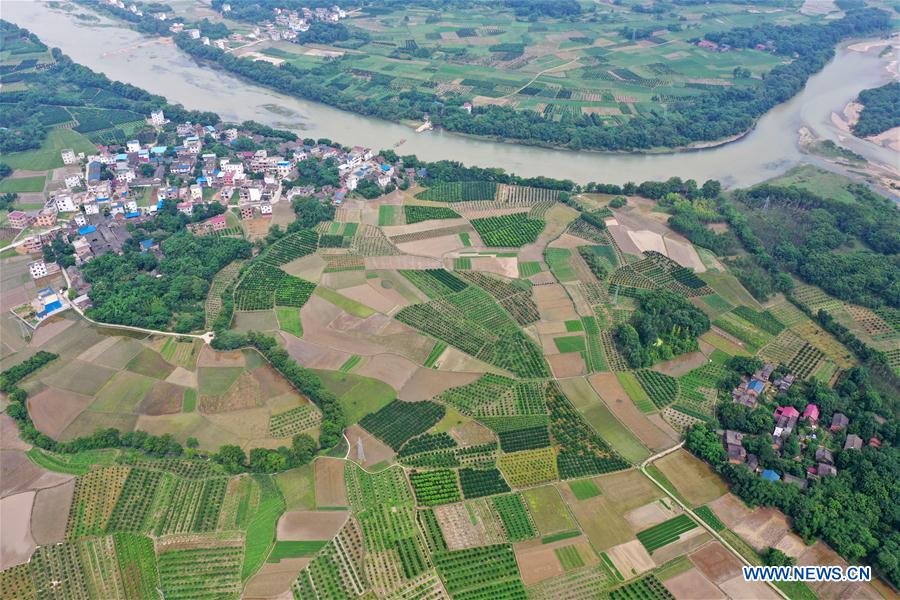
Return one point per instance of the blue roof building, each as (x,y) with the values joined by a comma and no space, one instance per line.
(757,386)
(158,149)
(770,475)
(121,157)
(132,215)
(87,229)
(146,245)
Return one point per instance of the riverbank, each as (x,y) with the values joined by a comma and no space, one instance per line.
(769,149)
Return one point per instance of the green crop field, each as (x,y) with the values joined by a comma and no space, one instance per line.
(23,184)
(665,533)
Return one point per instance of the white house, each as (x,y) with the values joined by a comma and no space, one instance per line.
(133,145)
(68,157)
(196,192)
(157,118)
(73,181)
(65,203)
(131,206)
(38,269)
(265,209)
(80,219)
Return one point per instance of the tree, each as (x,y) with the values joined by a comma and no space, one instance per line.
(303,447)
(232,457)
(192,443)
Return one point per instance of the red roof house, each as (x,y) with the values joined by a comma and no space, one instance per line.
(787,411)
(811,412)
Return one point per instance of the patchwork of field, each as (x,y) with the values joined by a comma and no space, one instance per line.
(612,68)
(492,425)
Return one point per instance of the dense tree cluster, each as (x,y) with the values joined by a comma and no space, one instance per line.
(136,289)
(664,326)
(881,110)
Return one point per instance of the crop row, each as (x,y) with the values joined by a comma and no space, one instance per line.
(476,483)
(435,487)
(524,439)
(290,247)
(295,420)
(399,421)
(515,517)
(480,573)
(200,573)
(661,388)
(366,491)
(665,533)
(435,283)
(514,298)
(529,467)
(582,451)
(508,230)
(417,214)
(460,191)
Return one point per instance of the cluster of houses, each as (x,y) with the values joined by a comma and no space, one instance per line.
(750,389)
(288,24)
(787,419)
(114,187)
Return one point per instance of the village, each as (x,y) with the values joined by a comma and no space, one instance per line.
(103,195)
(796,435)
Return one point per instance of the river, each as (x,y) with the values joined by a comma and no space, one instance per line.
(159,66)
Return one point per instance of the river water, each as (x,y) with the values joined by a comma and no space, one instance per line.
(160,67)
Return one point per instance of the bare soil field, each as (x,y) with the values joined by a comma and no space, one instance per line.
(52,409)
(271,383)
(18,473)
(309,267)
(395,371)
(211,358)
(682,364)
(80,377)
(537,562)
(243,394)
(693,478)
(162,399)
(95,351)
(314,356)
(339,280)
(9,434)
(49,330)
(763,528)
(631,558)
(622,238)
(302,525)
(566,365)
(372,297)
(687,542)
(738,589)
(692,584)
(684,254)
(462,528)
(716,563)
(428,383)
(506,266)
(402,261)
(454,360)
(554,303)
(434,247)
(50,513)
(183,377)
(612,393)
(471,433)
(730,509)
(16,543)
(792,545)
(273,580)
(373,450)
(646,516)
(330,489)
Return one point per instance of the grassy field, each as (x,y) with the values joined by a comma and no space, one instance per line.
(636,392)
(289,320)
(351,306)
(23,184)
(48,155)
(358,395)
(298,486)
(549,512)
(585,399)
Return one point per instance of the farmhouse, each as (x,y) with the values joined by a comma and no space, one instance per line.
(18,219)
(839,421)
(854,442)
